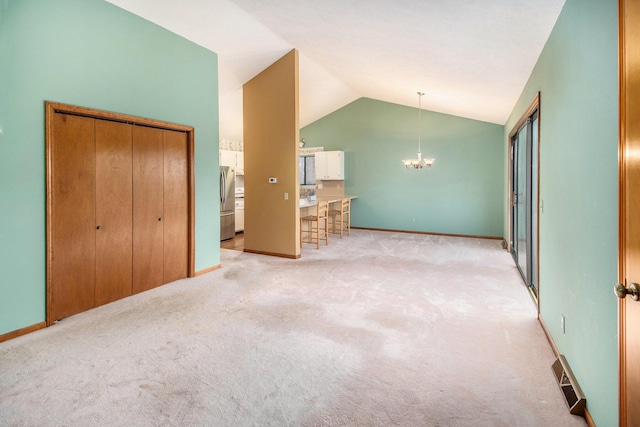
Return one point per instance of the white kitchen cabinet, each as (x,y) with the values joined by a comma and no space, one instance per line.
(239,215)
(330,165)
(227,158)
(234,159)
(239,162)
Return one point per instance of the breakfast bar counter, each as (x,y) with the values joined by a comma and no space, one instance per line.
(304,203)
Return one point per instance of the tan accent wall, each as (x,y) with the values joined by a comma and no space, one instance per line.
(271,132)
(330,188)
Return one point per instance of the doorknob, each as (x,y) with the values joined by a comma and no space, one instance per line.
(621,291)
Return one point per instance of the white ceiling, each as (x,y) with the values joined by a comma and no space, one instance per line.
(472,58)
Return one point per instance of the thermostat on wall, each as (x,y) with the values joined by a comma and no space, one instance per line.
(273,180)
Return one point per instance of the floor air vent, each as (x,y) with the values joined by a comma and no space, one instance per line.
(573,396)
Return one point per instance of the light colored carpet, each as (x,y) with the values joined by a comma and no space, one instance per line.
(378,329)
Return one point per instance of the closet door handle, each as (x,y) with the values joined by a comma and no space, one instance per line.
(621,291)
(99,227)
(160,219)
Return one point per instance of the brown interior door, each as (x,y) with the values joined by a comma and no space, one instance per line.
(629,309)
(114,207)
(148,208)
(176,214)
(71,223)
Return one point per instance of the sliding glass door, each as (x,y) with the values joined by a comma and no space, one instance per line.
(524,199)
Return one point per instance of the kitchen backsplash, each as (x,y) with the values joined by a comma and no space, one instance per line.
(330,188)
(310,150)
(231,144)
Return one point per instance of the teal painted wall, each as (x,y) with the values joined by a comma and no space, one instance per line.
(92,54)
(577,77)
(461,194)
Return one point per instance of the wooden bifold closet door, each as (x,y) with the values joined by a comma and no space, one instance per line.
(113,211)
(119,214)
(159,211)
(148,270)
(175,205)
(72,224)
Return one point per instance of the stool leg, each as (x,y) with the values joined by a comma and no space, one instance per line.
(348,223)
(326,231)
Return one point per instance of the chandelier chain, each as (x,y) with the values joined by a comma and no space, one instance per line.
(420,94)
(419,163)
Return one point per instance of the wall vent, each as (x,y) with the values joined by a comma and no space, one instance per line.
(571,391)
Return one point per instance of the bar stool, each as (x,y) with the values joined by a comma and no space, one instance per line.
(314,222)
(339,215)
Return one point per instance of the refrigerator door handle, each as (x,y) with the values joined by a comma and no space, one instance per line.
(222,187)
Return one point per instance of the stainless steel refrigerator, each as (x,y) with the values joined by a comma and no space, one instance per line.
(227,203)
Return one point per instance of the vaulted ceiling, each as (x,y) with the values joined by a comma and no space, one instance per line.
(472,58)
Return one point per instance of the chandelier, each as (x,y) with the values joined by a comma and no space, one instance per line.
(419,163)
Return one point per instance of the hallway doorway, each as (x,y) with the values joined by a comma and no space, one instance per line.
(236,243)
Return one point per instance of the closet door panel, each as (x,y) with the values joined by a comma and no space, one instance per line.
(72,216)
(176,213)
(148,217)
(114,209)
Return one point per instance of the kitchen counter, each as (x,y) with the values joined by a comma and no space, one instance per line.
(304,203)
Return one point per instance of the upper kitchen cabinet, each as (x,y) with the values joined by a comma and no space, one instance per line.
(234,159)
(239,162)
(330,165)
(227,158)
